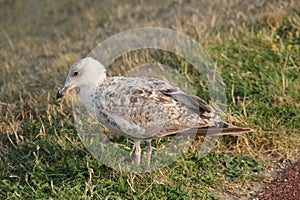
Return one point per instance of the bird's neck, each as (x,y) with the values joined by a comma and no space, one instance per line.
(88,92)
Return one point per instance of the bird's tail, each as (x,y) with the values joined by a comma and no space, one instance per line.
(222,129)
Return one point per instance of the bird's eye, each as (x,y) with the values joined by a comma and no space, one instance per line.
(75,73)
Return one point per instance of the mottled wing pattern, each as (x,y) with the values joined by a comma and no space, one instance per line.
(148,108)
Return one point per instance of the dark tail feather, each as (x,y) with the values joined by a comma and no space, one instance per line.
(225,129)
(213,131)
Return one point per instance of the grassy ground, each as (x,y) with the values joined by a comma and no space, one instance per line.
(256,47)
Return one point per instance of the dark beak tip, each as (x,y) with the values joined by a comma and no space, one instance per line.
(59,94)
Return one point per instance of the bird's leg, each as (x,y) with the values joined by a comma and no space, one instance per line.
(137,152)
(148,153)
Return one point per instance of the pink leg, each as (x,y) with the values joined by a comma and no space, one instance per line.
(148,153)
(137,152)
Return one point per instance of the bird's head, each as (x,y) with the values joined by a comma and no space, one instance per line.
(86,71)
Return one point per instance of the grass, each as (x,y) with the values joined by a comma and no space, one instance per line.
(41,155)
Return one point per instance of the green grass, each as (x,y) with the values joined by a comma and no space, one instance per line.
(41,155)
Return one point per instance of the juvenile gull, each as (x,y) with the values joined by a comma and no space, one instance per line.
(142,108)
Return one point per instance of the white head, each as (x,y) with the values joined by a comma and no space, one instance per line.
(85,72)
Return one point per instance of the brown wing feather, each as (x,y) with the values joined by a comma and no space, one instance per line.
(193,102)
(199,106)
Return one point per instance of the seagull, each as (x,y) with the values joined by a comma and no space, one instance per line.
(142,108)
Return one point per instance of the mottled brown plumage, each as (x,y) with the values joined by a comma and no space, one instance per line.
(143,108)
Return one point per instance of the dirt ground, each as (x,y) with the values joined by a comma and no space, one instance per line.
(286,185)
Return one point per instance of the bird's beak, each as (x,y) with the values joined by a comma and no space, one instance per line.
(61,92)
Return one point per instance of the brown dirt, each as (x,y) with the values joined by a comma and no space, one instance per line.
(286,185)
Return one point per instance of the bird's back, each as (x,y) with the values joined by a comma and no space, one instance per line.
(146,108)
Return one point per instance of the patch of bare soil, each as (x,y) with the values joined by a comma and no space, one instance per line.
(286,185)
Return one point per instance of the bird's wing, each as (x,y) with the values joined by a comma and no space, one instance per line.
(192,102)
(197,105)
